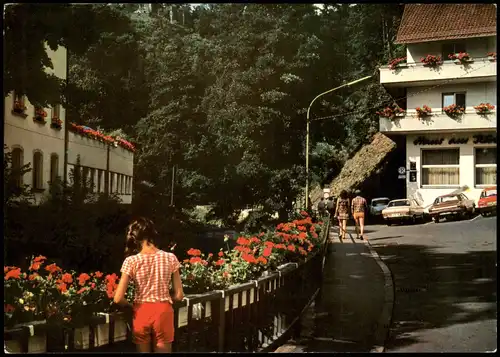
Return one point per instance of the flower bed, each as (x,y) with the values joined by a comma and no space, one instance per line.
(484,108)
(454,110)
(431,60)
(391,112)
(424,111)
(395,62)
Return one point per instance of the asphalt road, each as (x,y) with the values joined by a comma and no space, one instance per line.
(445,284)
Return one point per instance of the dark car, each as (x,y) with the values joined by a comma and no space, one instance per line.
(452,205)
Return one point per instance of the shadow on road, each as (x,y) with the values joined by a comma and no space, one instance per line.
(436,290)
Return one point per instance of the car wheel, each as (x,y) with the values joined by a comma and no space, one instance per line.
(389,223)
(484,214)
(435,219)
(414,219)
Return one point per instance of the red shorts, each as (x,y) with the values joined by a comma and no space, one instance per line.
(155,318)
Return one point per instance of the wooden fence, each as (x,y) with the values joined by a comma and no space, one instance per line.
(257,316)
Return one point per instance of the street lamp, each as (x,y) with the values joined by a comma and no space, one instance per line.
(307,130)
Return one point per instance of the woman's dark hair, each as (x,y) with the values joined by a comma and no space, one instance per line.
(343,194)
(140,230)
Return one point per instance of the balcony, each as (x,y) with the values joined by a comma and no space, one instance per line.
(416,74)
(410,123)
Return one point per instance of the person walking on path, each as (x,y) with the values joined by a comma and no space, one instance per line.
(358,207)
(342,213)
(322,207)
(330,207)
(151,270)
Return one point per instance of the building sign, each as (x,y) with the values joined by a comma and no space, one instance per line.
(401,177)
(413,166)
(485,139)
(422,140)
(401,170)
(413,176)
(458,141)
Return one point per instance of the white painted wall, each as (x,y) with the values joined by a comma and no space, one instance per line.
(467,169)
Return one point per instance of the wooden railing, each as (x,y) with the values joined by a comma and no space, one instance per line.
(257,316)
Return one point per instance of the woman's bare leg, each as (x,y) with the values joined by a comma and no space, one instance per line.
(356,225)
(165,348)
(362,226)
(344,228)
(144,347)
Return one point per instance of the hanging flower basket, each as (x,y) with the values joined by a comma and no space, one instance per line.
(40,115)
(492,56)
(484,108)
(391,112)
(431,60)
(56,123)
(395,63)
(454,110)
(460,58)
(423,111)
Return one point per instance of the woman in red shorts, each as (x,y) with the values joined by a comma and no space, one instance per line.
(151,270)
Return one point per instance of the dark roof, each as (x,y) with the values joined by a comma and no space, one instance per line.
(435,22)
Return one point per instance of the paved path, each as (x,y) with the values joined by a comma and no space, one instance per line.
(348,314)
(445,285)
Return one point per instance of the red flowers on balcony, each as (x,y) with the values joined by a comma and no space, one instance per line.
(19,107)
(461,57)
(431,60)
(424,111)
(125,144)
(395,62)
(484,108)
(454,110)
(390,112)
(40,115)
(90,133)
(492,56)
(56,123)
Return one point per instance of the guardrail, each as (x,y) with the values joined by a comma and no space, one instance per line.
(256,316)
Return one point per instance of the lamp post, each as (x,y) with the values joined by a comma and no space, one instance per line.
(307,130)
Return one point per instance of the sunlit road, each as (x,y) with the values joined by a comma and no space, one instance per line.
(445,285)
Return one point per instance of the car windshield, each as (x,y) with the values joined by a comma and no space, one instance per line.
(489,193)
(380,203)
(399,203)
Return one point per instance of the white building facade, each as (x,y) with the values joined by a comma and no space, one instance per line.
(446,152)
(37,136)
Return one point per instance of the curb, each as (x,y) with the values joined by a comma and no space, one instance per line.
(385,319)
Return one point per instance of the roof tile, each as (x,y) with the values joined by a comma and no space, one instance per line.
(435,22)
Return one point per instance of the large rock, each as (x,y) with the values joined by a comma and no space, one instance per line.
(357,170)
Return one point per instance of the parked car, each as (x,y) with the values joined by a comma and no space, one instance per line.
(403,210)
(487,203)
(452,205)
(377,205)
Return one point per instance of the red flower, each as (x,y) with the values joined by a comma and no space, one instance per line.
(15,273)
(82,279)
(52,268)
(210,255)
(291,248)
(219,262)
(33,276)
(262,260)
(242,241)
(67,278)
(280,246)
(92,285)
(35,266)
(254,240)
(194,260)
(221,254)
(267,251)
(82,290)
(194,252)
(304,214)
(8,308)
(249,258)
(40,259)
(225,274)
(62,287)
(98,274)
(269,244)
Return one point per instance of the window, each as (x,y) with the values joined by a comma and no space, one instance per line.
(56,111)
(37,170)
(17,163)
(451,48)
(99,180)
(486,166)
(440,167)
(454,98)
(54,167)
(92,180)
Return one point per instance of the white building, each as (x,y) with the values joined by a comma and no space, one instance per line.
(40,139)
(445,153)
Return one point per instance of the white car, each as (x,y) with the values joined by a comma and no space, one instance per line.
(377,205)
(403,210)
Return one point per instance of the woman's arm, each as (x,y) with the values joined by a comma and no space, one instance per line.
(336,208)
(177,285)
(121,290)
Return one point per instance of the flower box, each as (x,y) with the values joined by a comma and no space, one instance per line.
(431,60)
(36,344)
(39,119)
(460,58)
(484,108)
(397,63)
(423,111)
(454,110)
(102,330)
(492,56)
(56,123)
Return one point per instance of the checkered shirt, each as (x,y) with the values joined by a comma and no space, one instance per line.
(358,204)
(151,274)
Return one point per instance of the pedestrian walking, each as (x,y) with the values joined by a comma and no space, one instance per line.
(330,207)
(342,213)
(151,270)
(359,207)
(322,207)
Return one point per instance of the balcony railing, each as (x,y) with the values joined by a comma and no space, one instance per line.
(257,316)
(415,74)
(438,121)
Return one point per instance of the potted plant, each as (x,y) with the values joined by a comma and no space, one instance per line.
(431,60)
(19,107)
(395,63)
(460,58)
(391,112)
(40,115)
(484,108)
(423,111)
(492,56)
(454,110)
(56,123)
